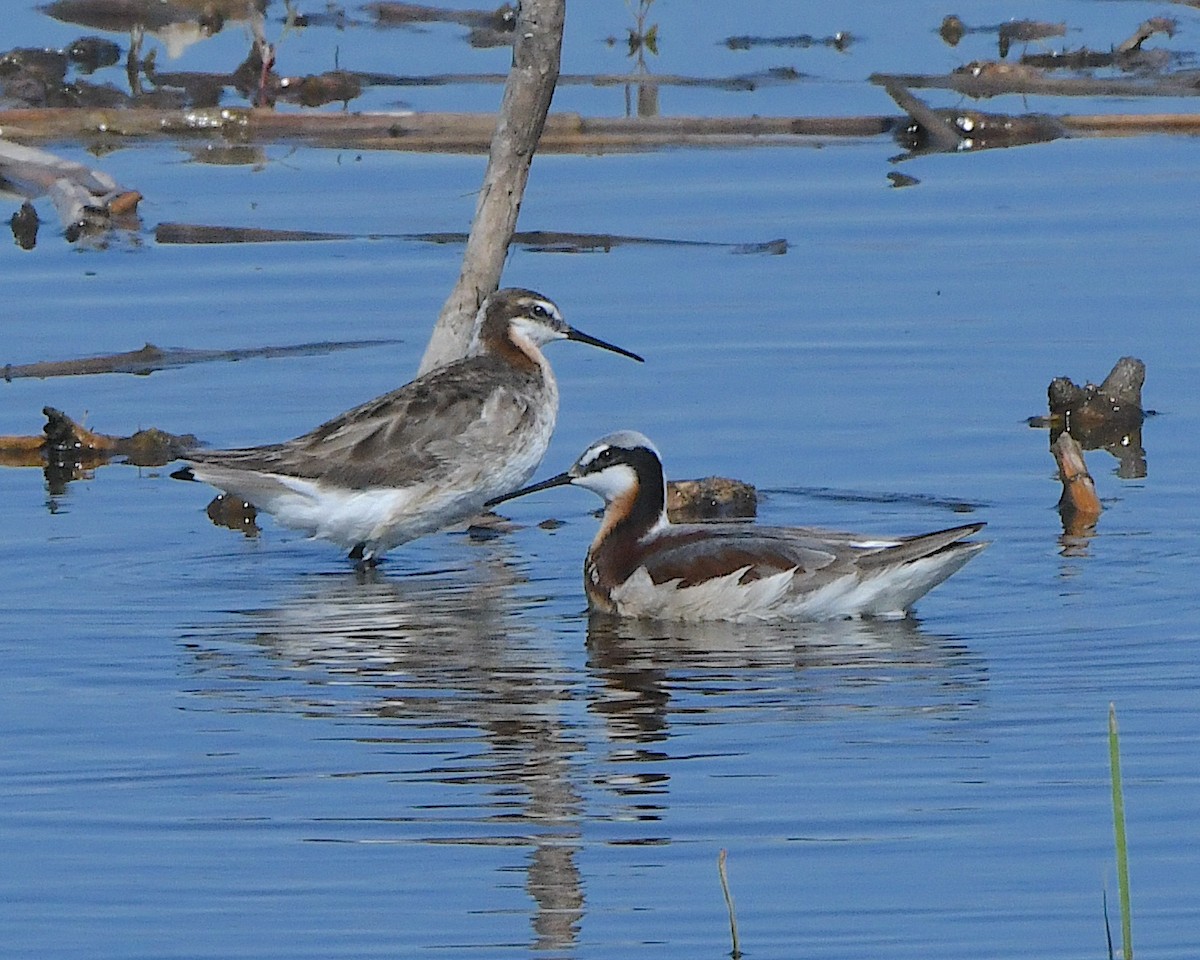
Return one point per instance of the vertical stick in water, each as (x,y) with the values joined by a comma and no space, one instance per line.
(1114,758)
(736,952)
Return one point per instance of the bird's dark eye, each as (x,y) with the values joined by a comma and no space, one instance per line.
(539,312)
(605,455)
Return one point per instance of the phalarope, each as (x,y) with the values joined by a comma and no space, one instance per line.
(642,565)
(421,457)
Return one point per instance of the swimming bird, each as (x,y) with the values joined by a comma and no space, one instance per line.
(424,456)
(644,566)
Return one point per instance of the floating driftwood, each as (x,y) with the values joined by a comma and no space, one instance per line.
(1116,401)
(67,443)
(151,358)
(851,496)
(1078,506)
(710,498)
(942,131)
(1107,416)
(471,132)
(233,513)
(986,78)
(688,501)
(67,450)
(838,41)
(388,12)
(86,200)
(953,29)
(532,240)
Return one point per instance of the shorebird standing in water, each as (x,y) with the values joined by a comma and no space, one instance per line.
(424,456)
(642,565)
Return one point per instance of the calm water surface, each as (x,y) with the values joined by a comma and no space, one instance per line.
(220,746)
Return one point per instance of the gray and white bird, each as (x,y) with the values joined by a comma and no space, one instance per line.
(424,456)
(641,565)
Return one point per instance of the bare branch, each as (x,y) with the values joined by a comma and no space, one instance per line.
(536,52)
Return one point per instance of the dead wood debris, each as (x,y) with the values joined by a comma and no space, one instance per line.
(1079,506)
(1164,25)
(688,501)
(389,13)
(425,132)
(953,28)
(512,142)
(1116,401)
(710,498)
(564,132)
(1108,416)
(234,513)
(186,105)
(67,444)
(942,131)
(535,241)
(841,40)
(87,200)
(150,358)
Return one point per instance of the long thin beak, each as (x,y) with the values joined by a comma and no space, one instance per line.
(573,334)
(561,480)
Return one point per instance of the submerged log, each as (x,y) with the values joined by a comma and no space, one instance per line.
(67,450)
(234,513)
(420,132)
(1117,400)
(68,441)
(535,241)
(710,498)
(471,132)
(151,358)
(1107,416)
(87,200)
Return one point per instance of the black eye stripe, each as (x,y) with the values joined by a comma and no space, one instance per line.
(601,459)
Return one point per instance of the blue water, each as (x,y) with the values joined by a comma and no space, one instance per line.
(221,746)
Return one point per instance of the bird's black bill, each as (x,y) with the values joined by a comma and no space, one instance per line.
(582,337)
(561,480)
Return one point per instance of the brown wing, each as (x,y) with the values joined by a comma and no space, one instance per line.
(692,555)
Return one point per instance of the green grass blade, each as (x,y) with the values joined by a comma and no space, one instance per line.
(1118,799)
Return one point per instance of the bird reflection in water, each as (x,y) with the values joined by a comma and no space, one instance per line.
(450,650)
(647,673)
(462,658)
